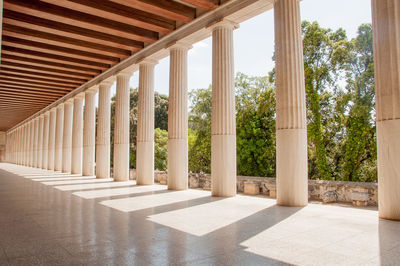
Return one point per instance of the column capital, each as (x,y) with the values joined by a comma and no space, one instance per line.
(47,113)
(180,45)
(127,71)
(80,96)
(93,89)
(69,101)
(148,61)
(59,106)
(224,23)
(108,82)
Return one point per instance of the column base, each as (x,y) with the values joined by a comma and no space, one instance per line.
(291,167)
(121,162)
(145,163)
(223,165)
(388,133)
(177,164)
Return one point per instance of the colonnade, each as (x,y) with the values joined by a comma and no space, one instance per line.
(63,138)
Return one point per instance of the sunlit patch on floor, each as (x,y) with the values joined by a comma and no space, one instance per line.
(92,194)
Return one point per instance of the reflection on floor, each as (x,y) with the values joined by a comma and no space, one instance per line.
(49,218)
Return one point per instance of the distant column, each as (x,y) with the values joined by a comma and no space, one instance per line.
(52,138)
(40,142)
(67,136)
(30,147)
(291,128)
(223,122)
(121,128)
(145,126)
(45,144)
(178,118)
(386,31)
(27,143)
(77,135)
(103,131)
(89,132)
(35,141)
(59,137)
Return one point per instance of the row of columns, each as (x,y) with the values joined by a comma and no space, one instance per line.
(62,133)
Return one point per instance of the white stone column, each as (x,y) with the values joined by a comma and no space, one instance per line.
(121,128)
(35,141)
(223,121)
(30,147)
(40,142)
(386,33)
(27,145)
(67,136)
(52,139)
(178,118)
(59,137)
(145,126)
(77,135)
(291,127)
(89,132)
(103,131)
(45,144)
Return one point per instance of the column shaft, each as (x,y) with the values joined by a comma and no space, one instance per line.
(121,128)
(145,127)
(178,119)
(52,139)
(386,33)
(59,137)
(291,128)
(223,122)
(67,136)
(103,131)
(40,142)
(89,123)
(77,136)
(45,144)
(35,141)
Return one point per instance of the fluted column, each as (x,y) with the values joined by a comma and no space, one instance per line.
(291,128)
(59,137)
(52,138)
(89,132)
(121,128)
(67,137)
(31,143)
(35,141)
(103,131)
(40,141)
(77,135)
(386,33)
(145,126)
(45,143)
(178,118)
(26,146)
(223,121)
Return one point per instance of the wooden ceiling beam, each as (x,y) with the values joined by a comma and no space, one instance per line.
(37,74)
(30,91)
(35,84)
(6,104)
(59,28)
(58,50)
(203,4)
(27,95)
(22,96)
(117,12)
(58,58)
(8,99)
(55,65)
(79,19)
(166,8)
(28,78)
(5,62)
(58,40)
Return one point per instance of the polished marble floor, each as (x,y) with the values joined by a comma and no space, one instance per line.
(49,218)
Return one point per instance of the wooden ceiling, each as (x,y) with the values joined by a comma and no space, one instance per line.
(51,47)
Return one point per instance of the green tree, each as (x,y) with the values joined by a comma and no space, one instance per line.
(160,149)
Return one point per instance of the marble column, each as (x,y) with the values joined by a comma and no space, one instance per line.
(45,144)
(89,132)
(178,118)
(30,147)
(52,138)
(27,143)
(145,126)
(103,131)
(223,117)
(291,127)
(67,136)
(386,37)
(77,135)
(121,128)
(35,141)
(40,142)
(59,137)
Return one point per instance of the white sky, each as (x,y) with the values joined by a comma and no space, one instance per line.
(254,41)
